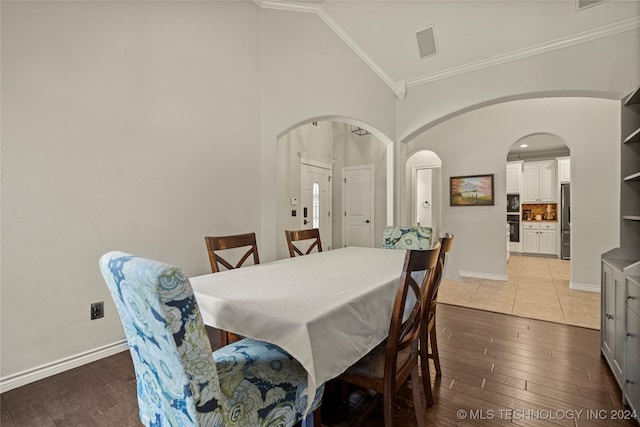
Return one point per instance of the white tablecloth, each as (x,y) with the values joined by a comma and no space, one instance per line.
(326,309)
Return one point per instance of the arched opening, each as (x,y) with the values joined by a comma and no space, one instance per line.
(477,142)
(538,194)
(424,181)
(334,174)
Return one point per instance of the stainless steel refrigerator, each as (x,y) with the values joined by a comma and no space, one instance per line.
(565,228)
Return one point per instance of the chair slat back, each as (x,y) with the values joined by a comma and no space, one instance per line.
(404,330)
(301,235)
(221,243)
(446,242)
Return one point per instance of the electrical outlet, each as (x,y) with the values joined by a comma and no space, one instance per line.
(97,310)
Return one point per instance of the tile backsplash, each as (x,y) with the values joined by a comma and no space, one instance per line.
(539,209)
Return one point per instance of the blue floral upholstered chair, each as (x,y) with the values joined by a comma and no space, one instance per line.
(180,381)
(406,237)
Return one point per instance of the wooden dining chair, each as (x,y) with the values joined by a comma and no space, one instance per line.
(302,235)
(388,366)
(224,243)
(428,329)
(180,381)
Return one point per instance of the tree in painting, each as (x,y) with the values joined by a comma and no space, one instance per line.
(472,190)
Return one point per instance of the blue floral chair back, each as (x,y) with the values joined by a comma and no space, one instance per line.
(179,381)
(406,237)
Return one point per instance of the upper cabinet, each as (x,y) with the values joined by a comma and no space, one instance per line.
(514,177)
(564,170)
(539,182)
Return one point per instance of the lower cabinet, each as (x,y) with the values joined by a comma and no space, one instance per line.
(620,325)
(613,312)
(540,238)
(632,347)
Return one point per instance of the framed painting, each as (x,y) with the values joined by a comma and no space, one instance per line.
(472,190)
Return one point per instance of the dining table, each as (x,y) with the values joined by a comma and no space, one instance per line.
(326,309)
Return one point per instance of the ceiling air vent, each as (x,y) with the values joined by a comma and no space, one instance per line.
(583,4)
(427,45)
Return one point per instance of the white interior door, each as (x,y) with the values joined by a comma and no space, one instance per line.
(358,203)
(316,201)
(424,199)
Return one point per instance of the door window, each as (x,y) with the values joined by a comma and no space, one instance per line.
(316,205)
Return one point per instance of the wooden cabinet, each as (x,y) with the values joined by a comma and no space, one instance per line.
(540,238)
(514,177)
(539,182)
(564,170)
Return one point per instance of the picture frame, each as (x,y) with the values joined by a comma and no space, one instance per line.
(471,190)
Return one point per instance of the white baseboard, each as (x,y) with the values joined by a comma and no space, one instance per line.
(487,276)
(31,375)
(584,287)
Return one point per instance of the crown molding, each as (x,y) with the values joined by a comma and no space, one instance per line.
(584,37)
(399,88)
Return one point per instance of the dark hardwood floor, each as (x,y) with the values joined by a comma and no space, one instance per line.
(496,370)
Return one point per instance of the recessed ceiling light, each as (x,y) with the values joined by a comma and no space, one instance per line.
(524,145)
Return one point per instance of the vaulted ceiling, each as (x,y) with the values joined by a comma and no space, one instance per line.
(470,35)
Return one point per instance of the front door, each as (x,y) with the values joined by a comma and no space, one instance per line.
(358,203)
(316,201)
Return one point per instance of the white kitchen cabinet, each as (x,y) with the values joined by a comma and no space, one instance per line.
(514,177)
(612,328)
(539,182)
(548,242)
(540,238)
(564,170)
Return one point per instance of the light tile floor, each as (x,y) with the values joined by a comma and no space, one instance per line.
(537,288)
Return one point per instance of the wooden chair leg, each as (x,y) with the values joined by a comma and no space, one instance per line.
(424,365)
(426,378)
(389,409)
(434,350)
(417,401)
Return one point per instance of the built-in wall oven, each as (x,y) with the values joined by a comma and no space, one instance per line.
(514,227)
(513,203)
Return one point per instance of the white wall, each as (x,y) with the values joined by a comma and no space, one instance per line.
(144,126)
(477,142)
(308,73)
(603,68)
(126,125)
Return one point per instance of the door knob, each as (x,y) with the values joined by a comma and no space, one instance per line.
(305,222)
(367,221)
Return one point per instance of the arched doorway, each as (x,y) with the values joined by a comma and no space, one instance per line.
(538,185)
(424,170)
(348,163)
